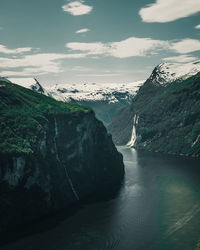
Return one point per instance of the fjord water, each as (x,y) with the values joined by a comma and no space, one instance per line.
(157,207)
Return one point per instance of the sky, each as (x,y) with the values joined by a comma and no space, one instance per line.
(103,41)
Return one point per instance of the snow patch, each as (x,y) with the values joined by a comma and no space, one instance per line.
(94,92)
(166,73)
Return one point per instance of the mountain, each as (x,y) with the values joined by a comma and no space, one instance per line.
(52,154)
(166,73)
(105,99)
(4,79)
(32,84)
(164,115)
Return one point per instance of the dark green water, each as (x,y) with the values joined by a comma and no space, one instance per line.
(158,207)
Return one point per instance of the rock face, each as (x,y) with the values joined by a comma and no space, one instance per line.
(162,118)
(50,158)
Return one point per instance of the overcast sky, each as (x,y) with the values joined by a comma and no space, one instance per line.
(59,41)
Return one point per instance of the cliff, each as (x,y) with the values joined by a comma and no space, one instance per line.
(162,118)
(52,154)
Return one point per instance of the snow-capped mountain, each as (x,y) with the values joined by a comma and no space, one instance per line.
(110,92)
(166,73)
(149,109)
(105,99)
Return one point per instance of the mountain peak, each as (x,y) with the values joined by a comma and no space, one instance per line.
(30,83)
(37,87)
(165,73)
(4,79)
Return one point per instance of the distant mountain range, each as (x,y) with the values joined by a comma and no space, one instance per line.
(105,99)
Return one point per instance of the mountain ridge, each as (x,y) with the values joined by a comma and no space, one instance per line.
(105,99)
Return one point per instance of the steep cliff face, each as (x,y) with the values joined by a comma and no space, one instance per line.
(50,158)
(163,118)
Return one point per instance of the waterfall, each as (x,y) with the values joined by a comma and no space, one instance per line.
(71,184)
(133,135)
(58,159)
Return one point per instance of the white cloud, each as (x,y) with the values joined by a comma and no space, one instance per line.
(29,65)
(36,64)
(197,26)
(77,8)
(82,31)
(134,46)
(186,46)
(5,50)
(130,47)
(80,69)
(96,48)
(169,10)
(22,72)
(181,59)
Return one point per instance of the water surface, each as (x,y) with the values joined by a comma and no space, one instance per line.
(158,207)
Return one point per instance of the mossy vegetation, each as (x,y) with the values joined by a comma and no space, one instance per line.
(197,247)
(23,115)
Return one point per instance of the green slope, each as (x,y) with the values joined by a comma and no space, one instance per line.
(23,115)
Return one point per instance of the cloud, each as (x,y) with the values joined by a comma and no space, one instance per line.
(181,59)
(163,11)
(22,72)
(29,65)
(186,46)
(36,64)
(130,47)
(5,50)
(77,8)
(197,26)
(82,31)
(80,69)
(96,48)
(134,46)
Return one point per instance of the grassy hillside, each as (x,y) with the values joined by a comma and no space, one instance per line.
(23,114)
(197,247)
